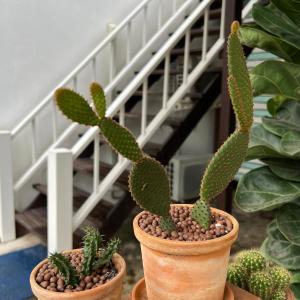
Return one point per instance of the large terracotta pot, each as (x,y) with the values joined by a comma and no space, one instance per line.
(176,270)
(112,290)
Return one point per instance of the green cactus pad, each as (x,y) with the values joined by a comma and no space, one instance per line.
(74,107)
(251,260)
(167,224)
(260,284)
(239,81)
(149,186)
(121,139)
(237,275)
(281,278)
(65,268)
(279,295)
(224,165)
(98,97)
(201,213)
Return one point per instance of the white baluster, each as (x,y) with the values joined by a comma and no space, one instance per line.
(33,140)
(159,14)
(205,34)
(94,68)
(166,80)
(186,55)
(222,30)
(128,43)
(96,157)
(54,121)
(144,107)
(145,29)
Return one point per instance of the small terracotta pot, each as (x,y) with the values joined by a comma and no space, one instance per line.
(176,270)
(139,291)
(112,290)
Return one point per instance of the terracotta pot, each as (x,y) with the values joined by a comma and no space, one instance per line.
(139,291)
(176,270)
(112,290)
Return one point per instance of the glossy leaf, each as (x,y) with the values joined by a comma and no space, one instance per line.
(281,251)
(276,22)
(260,189)
(296,277)
(288,221)
(291,8)
(276,78)
(288,169)
(274,103)
(254,36)
(287,118)
(290,144)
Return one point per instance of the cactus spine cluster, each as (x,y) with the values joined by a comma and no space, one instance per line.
(251,271)
(94,256)
(148,181)
(231,154)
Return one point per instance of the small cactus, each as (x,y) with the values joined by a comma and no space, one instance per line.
(237,275)
(251,260)
(281,278)
(260,284)
(66,270)
(279,295)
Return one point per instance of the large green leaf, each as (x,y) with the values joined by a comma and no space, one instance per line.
(276,78)
(288,169)
(280,250)
(296,277)
(276,22)
(288,221)
(291,8)
(263,144)
(275,102)
(290,144)
(260,189)
(254,36)
(287,118)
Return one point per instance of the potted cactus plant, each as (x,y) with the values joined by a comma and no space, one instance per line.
(252,272)
(185,248)
(93,272)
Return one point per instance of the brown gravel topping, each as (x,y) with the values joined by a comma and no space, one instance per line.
(48,278)
(186,228)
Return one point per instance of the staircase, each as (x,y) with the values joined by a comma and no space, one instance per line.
(187,46)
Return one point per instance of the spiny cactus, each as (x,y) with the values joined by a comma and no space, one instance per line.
(91,244)
(260,284)
(281,277)
(66,270)
(237,275)
(279,295)
(251,260)
(231,154)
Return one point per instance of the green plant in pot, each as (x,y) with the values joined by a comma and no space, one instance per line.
(180,243)
(275,185)
(91,273)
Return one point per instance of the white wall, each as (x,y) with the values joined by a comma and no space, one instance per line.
(41,41)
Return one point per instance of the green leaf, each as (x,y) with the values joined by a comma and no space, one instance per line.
(296,277)
(74,107)
(287,118)
(263,144)
(98,96)
(224,165)
(276,22)
(274,103)
(260,189)
(149,186)
(281,251)
(291,8)
(288,221)
(254,36)
(121,139)
(290,144)
(276,78)
(285,168)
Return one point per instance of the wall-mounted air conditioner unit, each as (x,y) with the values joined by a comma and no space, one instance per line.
(185,173)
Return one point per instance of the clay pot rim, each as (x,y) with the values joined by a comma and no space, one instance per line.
(116,258)
(152,240)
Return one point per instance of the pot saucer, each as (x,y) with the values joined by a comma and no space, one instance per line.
(139,292)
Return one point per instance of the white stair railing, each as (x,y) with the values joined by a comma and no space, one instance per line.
(57,239)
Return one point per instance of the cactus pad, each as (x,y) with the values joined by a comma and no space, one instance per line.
(121,139)
(239,81)
(74,107)
(237,275)
(281,278)
(98,97)
(167,224)
(201,213)
(149,186)
(251,260)
(260,284)
(224,165)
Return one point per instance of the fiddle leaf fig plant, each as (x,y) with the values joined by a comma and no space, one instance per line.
(148,180)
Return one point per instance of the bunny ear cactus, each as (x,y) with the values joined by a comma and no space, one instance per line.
(232,153)
(148,181)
